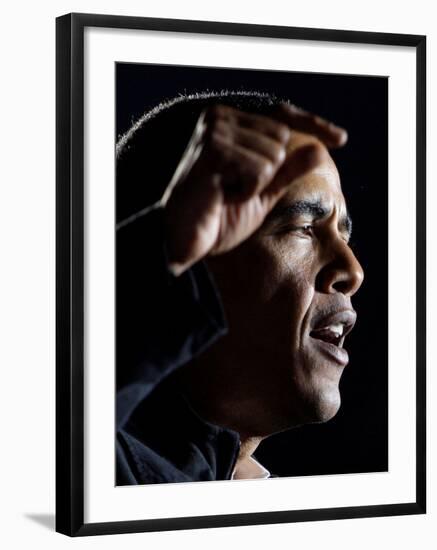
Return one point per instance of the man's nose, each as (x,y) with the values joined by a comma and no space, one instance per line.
(342,273)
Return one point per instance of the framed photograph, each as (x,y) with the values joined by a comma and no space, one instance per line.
(240,274)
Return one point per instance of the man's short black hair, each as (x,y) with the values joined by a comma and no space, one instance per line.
(148,154)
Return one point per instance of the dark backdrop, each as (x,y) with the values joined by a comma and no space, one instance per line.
(356,439)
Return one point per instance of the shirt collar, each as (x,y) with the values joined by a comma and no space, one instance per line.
(250,469)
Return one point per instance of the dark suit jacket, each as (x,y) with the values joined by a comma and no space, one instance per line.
(163,321)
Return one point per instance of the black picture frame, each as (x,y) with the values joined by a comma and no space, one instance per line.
(70,272)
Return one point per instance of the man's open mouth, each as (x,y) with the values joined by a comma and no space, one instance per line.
(334,327)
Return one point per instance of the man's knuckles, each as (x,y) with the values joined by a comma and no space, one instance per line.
(221,134)
(255,175)
(218,111)
(271,126)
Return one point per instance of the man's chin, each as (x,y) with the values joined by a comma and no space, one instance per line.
(325,407)
(320,403)
(316,408)
(320,391)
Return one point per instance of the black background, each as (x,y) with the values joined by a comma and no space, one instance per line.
(356,439)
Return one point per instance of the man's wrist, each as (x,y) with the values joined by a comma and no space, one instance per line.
(176,268)
(177,262)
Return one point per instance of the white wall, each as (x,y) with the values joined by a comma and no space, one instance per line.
(27,278)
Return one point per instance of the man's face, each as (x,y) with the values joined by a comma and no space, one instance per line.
(287,297)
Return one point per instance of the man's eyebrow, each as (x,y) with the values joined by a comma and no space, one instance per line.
(315,208)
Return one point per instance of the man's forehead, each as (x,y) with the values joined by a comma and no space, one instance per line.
(328,172)
(321,185)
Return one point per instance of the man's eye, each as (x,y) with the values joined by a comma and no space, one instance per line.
(307,229)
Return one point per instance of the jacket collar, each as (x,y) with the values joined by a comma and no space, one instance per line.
(168,431)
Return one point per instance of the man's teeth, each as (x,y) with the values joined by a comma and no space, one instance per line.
(336,329)
(332,334)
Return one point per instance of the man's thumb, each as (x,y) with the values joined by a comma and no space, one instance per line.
(298,163)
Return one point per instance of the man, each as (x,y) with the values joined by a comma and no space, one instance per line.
(233,289)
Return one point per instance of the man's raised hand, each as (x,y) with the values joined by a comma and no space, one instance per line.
(235,168)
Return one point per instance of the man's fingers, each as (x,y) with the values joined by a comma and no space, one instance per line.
(302,160)
(279,124)
(303,121)
(242,172)
(253,140)
(248,151)
(274,129)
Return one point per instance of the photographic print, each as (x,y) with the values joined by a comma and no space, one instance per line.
(266,393)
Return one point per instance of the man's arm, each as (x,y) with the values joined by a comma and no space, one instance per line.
(162,320)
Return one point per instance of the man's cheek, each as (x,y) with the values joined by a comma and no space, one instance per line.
(299,288)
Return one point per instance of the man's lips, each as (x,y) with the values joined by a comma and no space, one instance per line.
(334,327)
(329,332)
